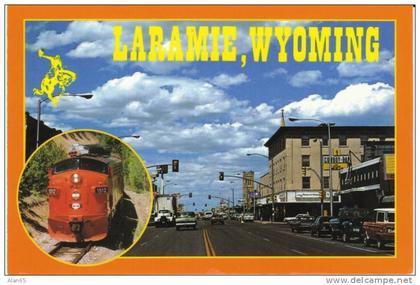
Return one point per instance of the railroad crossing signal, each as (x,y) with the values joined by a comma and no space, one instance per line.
(175,165)
(221,176)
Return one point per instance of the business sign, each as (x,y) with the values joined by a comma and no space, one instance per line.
(389,166)
(337,162)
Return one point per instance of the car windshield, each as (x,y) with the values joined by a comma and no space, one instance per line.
(187,214)
(164,211)
(391,217)
(80,163)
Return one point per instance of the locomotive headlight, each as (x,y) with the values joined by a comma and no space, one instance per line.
(75,195)
(75,178)
(75,206)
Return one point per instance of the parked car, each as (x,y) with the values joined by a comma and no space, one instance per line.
(207,215)
(225,216)
(248,217)
(217,219)
(289,219)
(380,229)
(186,220)
(348,224)
(301,224)
(321,226)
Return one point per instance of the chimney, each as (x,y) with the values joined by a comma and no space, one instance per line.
(282,122)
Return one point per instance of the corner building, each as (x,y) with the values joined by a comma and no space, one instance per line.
(296,153)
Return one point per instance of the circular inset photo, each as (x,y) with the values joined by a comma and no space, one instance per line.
(85,197)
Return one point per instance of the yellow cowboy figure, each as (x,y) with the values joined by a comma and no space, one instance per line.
(55,76)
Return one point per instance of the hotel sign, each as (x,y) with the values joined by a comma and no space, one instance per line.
(337,162)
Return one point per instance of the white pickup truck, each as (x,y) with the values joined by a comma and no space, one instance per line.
(164,217)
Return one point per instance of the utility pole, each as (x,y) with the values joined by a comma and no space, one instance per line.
(321,174)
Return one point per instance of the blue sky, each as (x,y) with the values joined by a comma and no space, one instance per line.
(207,115)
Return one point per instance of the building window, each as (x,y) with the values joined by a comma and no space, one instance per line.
(305,161)
(306,182)
(342,140)
(326,182)
(305,141)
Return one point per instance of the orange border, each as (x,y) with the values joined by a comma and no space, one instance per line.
(25,258)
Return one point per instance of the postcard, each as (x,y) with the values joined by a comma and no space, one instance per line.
(209,140)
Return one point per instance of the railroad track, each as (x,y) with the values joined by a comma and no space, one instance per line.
(70,252)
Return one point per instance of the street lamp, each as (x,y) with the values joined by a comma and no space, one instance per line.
(163,188)
(40,101)
(329,154)
(272,181)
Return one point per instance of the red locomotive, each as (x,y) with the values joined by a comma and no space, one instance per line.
(84,192)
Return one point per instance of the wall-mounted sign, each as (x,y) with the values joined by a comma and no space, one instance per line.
(337,162)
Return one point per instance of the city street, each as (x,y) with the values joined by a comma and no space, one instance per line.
(248,239)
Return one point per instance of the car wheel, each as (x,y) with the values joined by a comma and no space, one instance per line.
(194,227)
(293,230)
(346,237)
(380,244)
(318,234)
(177,228)
(333,237)
(312,233)
(366,239)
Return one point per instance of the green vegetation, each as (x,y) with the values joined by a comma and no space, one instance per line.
(35,177)
(135,177)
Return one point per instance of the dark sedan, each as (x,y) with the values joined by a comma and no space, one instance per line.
(321,226)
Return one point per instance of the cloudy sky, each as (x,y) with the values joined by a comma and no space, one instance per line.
(207,115)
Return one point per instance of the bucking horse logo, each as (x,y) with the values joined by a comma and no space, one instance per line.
(56,76)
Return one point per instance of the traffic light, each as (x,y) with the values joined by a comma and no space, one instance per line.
(154,188)
(304,171)
(175,165)
(190,194)
(209,197)
(221,176)
(163,168)
(322,194)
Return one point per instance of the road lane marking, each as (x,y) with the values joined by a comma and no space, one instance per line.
(207,244)
(363,249)
(298,252)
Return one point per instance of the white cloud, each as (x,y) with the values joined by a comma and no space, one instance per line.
(357,100)
(305,78)
(368,69)
(276,72)
(224,80)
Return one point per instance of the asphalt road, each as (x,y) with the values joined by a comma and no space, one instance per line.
(248,239)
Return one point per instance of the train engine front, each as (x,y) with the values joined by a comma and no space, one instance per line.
(83,193)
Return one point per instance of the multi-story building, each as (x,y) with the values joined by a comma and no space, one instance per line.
(300,158)
(247,187)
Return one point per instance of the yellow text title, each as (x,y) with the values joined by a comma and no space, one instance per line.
(219,43)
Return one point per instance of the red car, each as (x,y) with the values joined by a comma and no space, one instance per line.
(381,229)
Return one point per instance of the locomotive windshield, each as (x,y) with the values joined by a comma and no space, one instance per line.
(80,163)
